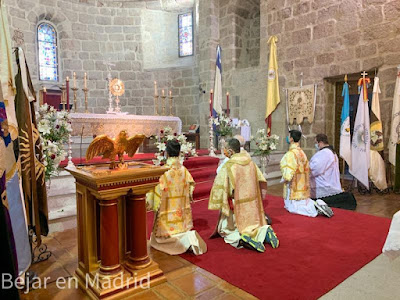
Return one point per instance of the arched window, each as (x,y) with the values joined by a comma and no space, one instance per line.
(47,52)
(185,27)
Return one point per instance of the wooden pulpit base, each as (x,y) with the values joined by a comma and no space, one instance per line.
(113,260)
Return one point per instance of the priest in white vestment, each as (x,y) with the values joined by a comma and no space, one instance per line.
(171,201)
(325,176)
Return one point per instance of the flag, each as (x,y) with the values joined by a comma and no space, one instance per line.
(395,127)
(273,98)
(345,141)
(217,100)
(377,171)
(361,142)
(32,167)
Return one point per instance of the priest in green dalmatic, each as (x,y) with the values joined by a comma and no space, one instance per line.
(31,154)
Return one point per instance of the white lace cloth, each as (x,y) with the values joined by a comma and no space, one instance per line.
(111,124)
(392,244)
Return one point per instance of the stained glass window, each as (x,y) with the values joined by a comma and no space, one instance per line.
(185,34)
(47,49)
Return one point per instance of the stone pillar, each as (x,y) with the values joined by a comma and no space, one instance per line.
(137,240)
(109,242)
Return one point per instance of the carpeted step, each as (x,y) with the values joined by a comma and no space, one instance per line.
(204,174)
(202,190)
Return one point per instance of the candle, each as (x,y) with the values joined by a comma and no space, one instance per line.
(67,84)
(170,93)
(85,81)
(211,102)
(74,80)
(44,95)
(155,89)
(227,103)
(163,93)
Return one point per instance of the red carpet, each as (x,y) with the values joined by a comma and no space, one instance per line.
(314,256)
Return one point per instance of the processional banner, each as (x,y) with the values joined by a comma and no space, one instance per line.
(301,103)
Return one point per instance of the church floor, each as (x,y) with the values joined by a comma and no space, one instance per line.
(187,281)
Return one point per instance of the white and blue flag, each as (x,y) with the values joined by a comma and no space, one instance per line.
(345,141)
(217,101)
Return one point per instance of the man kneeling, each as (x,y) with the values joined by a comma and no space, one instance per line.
(236,193)
(171,201)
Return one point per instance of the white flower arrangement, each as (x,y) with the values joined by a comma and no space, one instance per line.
(187,148)
(54,128)
(224,125)
(265,144)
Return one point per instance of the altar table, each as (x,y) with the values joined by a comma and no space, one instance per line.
(111,124)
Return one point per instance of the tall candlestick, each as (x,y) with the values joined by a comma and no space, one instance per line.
(74,80)
(163,93)
(67,93)
(227,104)
(63,96)
(211,102)
(170,103)
(75,89)
(85,81)
(155,88)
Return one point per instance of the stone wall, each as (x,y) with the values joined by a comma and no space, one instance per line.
(91,32)
(330,38)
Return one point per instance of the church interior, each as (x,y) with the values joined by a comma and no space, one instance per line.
(97,74)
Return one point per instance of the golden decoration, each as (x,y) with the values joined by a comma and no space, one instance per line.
(109,148)
(117,87)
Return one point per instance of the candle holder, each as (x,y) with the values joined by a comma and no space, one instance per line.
(63,96)
(163,104)
(86,90)
(70,163)
(170,106)
(156,105)
(75,90)
(211,149)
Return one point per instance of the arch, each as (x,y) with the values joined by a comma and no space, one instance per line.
(47,52)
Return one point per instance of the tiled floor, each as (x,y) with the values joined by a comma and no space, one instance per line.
(185,280)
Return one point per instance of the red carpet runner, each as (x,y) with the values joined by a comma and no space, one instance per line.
(314,256)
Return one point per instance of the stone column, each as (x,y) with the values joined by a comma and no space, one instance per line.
(109,242)
(137,225)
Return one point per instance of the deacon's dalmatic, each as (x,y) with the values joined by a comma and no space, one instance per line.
(395,122)
(171,202)
(240,179)
(361,142)
(31,154)
(345,140)
(273,97)
(377,171)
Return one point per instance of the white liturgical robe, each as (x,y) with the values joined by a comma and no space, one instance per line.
(325,175)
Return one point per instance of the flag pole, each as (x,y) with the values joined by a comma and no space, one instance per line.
(343,161)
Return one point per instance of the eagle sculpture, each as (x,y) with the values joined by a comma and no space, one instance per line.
(109,148)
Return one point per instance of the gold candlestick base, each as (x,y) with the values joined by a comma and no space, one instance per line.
(163,105)
(170,106)
(74,89)
(86,90)
(156,105)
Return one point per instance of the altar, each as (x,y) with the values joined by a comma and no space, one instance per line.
(87,125)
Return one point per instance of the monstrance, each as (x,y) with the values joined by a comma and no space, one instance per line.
(117,88)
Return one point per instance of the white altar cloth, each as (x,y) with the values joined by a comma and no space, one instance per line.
(112,124)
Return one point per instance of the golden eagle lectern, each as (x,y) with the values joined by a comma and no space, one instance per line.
(109,148)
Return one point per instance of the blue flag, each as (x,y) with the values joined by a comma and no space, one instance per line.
(345,141)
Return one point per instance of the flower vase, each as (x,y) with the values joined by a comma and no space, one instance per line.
(264,163)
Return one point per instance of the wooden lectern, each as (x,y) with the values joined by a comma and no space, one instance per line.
(113,261)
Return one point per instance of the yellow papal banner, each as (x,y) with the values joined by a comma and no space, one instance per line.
(273,97)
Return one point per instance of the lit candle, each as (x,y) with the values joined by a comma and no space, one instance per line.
(211,102)
(155,89)
(163,93)
(67,84)
(227,104)
(170,93)
(44,95)
(74,80)
(85,81)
